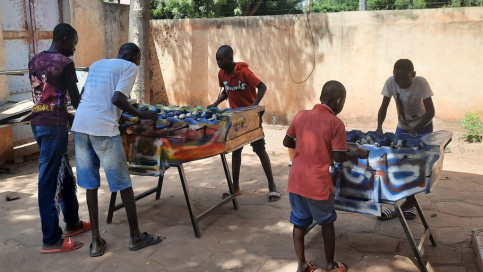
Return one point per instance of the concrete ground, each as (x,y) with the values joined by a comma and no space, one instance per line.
(258,236)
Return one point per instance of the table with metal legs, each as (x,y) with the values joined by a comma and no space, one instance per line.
(195,219)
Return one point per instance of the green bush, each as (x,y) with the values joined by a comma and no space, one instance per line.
(474,128)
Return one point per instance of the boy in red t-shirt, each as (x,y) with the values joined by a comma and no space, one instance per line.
(240,88)
(321,139)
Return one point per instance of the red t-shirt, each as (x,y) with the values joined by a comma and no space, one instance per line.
(318,132)
(241,86)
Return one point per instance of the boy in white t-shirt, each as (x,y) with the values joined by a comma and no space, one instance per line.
(98,141)
(415,112)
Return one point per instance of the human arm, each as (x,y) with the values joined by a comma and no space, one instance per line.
(289,142)
(262,89)
(427,116)
(120,100)
(342,156)
(381,115)
(222,97)
(74,95)
(69,81)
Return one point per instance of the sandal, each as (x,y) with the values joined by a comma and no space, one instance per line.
(85,227)
(67,245)
(101,252)
(274,196)
(410,213)
(149,240)
(227,194)
(387,214)
(341,267)
(311,267)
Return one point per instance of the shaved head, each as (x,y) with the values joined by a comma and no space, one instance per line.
(225,49)
(331,91)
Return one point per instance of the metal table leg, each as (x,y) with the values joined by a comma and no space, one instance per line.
(418,250)
(114,207)
(194,221)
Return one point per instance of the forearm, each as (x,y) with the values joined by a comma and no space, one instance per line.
(381,116)
(74,95)
(262,89)
(346,156)
(222,97)
(120,100)
(426,118)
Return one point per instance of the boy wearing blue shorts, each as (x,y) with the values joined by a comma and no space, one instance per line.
(321,139)
(98,140)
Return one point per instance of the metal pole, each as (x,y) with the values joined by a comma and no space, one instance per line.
(362,5)
(207,8)
(138,34)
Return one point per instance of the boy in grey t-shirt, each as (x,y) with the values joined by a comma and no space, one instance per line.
(415,111)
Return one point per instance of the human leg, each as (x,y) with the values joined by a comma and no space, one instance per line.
(259,149)
(88,164)
(52,145)
(323,212)
(235,168)
(110,152)
(301,218)
(98,244)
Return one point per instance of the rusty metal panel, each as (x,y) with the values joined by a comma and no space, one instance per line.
(17,56)
(45,16)
(27,30)
(14,15)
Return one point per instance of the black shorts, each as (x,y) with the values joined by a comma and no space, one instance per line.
(258,145)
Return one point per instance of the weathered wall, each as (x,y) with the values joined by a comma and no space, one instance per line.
(4,94)
(356,48)
(102,29)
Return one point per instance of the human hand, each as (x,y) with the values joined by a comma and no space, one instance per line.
(211,106)
(148,115)
(362,153)
(413,132)
(379,130)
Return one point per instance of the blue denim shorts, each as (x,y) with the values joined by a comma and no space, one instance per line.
(91,152)
(306,210)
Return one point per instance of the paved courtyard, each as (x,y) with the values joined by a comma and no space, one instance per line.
(258,236)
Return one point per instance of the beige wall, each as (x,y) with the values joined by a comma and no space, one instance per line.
(4,93)
(356,48)
(102,29)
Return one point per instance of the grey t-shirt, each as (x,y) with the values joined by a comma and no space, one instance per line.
(409,102)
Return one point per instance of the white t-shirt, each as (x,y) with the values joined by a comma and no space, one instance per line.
(409,102)
(96,115)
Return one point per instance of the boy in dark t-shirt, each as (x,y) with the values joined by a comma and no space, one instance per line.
(240,88)
(52,75)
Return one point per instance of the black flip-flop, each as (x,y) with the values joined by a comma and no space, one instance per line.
(387,214)
(100,253)
(149,240)
(410,214)
(273,196)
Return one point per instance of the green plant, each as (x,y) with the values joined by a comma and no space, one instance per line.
(472,124)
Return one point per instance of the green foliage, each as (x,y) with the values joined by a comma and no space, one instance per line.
(335,5)
(178,9)
(474,128)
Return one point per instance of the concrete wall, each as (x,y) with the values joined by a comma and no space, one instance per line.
(357,48)
(102,29)
(4,94)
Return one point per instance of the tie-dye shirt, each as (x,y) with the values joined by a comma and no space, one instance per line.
(50,74)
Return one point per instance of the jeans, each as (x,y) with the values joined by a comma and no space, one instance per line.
(92,151)
(55,181)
